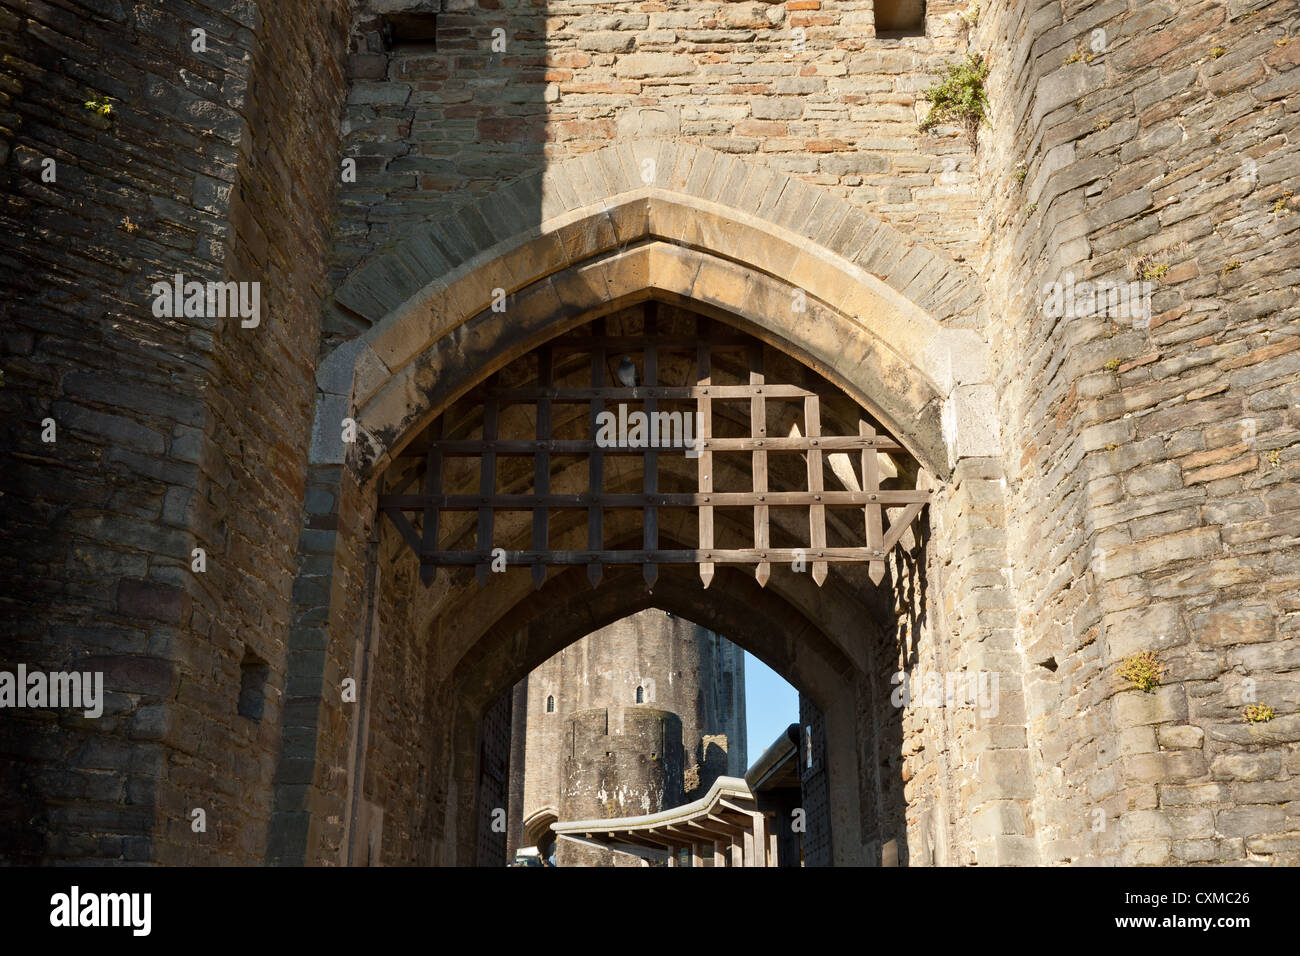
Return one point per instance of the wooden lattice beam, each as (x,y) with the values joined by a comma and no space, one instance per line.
(487,484)
(650,484)
(435,449)
(596,461)
(704,413)
(758,433)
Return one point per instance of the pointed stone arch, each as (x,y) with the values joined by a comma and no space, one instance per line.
(893,324)
(891,321)
(764,621)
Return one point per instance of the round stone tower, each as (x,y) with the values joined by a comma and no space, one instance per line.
(622,762)
(630,677)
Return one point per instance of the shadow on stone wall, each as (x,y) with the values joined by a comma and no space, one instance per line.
(131,153)
(443,107)
(434,125)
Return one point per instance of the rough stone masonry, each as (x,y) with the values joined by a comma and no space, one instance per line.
(183,511)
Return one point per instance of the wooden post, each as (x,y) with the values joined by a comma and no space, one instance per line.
(432,486)
(760,840)
(816,513)
(704,406)
(758,431)
(720,851)
(596,462)
(487,486)
(542,463)
(650,521)
(871,510)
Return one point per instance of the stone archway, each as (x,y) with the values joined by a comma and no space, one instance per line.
(871,325)
(761,620)
(885,316)
(487,638)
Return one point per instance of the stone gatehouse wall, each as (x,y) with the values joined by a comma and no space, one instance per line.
(1151,471)
(1143,498)
(171,434)
(430,129)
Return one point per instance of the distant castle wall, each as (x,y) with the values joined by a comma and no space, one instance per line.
(677,666)
(621,761)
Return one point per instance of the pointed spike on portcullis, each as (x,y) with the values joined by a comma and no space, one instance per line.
(428,572)
(651,574)
(481,573)
(819,572)
(877,571)
(539,576)
(594,573)
(763,572)
(706,575)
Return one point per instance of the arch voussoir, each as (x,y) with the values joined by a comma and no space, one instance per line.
(852,296)
(828,340)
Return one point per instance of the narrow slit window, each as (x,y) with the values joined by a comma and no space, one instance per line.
(900,18)
(253,673)
(550,705)
(640,695)
(416,31)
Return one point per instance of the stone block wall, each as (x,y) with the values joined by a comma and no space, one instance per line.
(941,726)
(804,88)
(172,434)
(1151,462)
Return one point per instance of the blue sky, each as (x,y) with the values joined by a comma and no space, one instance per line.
(771,705)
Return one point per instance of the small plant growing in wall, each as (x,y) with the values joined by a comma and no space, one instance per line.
(1274,458)
(969,20)
(1281,207)
(1082,53)
(1142,671)
(103,105)
(1231,266)
(1216,52)
(1145,267)
(1112,365)
(1258,714)
(960,97)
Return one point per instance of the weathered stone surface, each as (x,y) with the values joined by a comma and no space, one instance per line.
(1132,488)
(643,65)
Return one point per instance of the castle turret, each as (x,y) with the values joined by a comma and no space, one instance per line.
(622,761)
(649,667)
